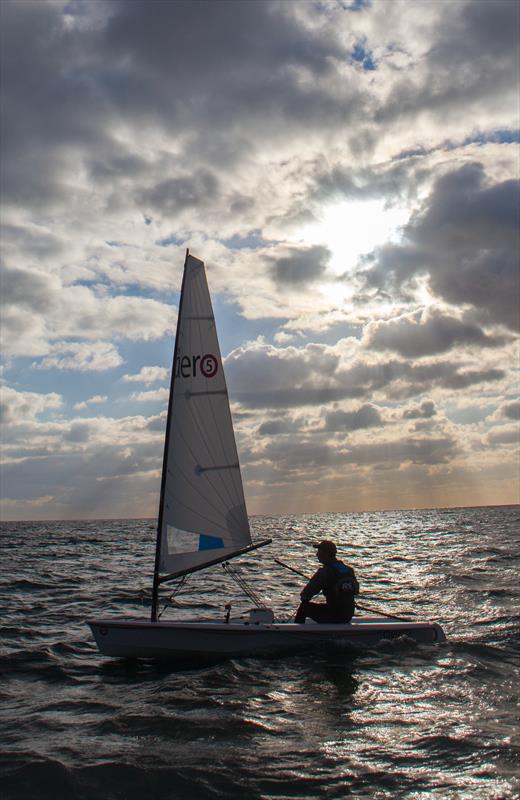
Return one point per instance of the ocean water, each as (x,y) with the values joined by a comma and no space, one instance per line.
(398,721)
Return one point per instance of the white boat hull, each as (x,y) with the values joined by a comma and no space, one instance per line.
(193,639)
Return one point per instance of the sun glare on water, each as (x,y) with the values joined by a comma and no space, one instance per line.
(350,230)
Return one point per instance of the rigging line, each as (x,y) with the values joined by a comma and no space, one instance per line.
(239,579)
(176,590)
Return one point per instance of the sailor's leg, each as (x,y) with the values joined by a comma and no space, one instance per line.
(311,610)
(324,613)
(302,614)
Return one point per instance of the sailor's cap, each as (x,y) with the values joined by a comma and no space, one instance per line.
(327,546)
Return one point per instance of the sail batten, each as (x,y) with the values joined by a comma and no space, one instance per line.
(203,515)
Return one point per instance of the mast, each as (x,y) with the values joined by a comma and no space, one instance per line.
(155,588)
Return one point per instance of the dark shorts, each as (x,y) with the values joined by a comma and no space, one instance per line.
(323,612)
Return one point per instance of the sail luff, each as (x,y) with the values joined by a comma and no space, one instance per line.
(155,588)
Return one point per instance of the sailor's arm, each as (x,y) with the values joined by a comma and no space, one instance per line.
(314,586)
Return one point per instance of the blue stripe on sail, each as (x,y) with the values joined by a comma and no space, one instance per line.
(210,542)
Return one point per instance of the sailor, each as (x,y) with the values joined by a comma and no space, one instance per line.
(338,583)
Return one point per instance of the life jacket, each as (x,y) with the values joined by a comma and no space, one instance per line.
(344,584)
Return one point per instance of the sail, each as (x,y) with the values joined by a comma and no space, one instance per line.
(203,515)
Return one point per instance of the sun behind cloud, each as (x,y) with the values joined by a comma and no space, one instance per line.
(350,229)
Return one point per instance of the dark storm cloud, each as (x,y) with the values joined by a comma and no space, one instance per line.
(424,411)
(299,265)
(466,240)
(420,334)
(366,416)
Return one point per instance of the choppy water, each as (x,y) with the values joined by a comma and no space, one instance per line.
(401,721)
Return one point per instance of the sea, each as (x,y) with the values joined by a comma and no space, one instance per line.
(400,720)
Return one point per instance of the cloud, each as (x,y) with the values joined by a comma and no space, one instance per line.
(38,310)
(426,333)
(505,436)
(511,410)
(316,374)
(299,265)
(147,375)
(16,406)
(81,357)
(153,396)
(307,455)
(426,410)
(466,241)
(98,398)
(280,426)
(230,128)
(366,416)
(177,194)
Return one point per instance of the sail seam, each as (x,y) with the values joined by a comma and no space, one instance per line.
(240,494)
(195,412)
(189,394)
(198,489)
(173,497)
(231,501)
(198,514)
(200,468)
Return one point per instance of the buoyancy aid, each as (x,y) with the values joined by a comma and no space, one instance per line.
(342,583)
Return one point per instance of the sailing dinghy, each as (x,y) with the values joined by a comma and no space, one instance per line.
(203,519)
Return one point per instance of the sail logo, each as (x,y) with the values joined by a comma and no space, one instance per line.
(192,366)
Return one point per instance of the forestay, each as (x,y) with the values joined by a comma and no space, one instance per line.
(203,514)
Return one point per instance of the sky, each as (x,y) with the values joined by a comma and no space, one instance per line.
(348,171)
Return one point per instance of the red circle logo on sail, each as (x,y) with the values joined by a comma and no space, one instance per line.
(208,365)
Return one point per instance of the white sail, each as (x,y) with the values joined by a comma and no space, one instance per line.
(203,515)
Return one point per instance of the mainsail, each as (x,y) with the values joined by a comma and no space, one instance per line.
(202,514)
